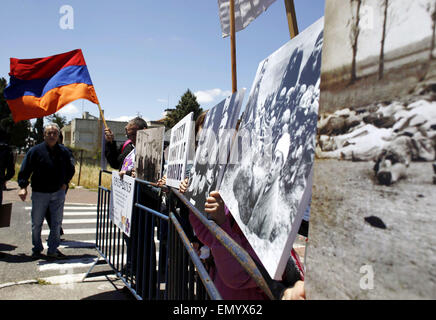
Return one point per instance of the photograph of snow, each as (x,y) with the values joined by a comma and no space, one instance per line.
(149,150)
(213,148)
(267,185)
(372,211)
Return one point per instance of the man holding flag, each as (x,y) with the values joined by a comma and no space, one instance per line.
(37,88)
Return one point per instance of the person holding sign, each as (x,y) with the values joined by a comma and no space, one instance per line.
(123,157)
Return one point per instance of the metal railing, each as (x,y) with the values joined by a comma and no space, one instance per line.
(158,261)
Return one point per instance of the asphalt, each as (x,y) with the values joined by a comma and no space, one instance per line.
(97,286)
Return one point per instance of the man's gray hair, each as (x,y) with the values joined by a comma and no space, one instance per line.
(139,122)
(52,124)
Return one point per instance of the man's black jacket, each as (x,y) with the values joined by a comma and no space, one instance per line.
(49,168)
(115,156)
(6,163)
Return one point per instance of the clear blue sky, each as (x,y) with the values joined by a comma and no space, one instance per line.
(142,55)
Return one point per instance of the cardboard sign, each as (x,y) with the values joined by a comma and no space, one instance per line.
(372,229)
(180,150)
(267,187)
(213,149)
(149,151)
(121,204)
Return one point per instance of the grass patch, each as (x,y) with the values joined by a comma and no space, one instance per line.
(42,282)
(89,175)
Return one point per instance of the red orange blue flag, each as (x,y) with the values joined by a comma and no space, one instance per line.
(41,86)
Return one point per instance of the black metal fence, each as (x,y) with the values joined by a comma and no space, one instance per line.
(158,261)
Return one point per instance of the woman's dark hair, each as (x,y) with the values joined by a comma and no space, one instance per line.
(199,122)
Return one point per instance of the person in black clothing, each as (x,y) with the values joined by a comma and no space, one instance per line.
(50,168)
(73,161)
(7,168)
(115,155)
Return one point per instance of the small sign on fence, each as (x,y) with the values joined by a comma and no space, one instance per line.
(121,203)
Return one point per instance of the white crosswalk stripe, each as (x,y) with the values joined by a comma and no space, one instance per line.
(71,231)
(79,226)
(76,221)
(74,244)
(88,208)
(67,264)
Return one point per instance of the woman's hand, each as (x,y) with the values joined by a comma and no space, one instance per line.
(214,207)
(297,292)
(162,181)
(184,186)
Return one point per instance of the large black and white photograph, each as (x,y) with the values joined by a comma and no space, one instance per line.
(373,201)
(213,148)
(267,185)
(149,152)
(180,150)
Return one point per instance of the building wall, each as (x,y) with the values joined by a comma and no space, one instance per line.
(85,133)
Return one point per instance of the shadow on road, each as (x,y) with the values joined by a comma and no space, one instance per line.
(112,295)
(20,258)
(7,247)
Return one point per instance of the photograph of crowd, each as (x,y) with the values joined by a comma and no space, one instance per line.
(265,182)
(213,148)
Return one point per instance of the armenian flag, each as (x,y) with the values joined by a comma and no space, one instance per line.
(40,87)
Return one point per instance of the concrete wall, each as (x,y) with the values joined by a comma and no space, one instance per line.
(86,133)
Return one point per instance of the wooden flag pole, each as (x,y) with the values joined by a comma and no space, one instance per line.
(102,116)
(292,18)
(233,45)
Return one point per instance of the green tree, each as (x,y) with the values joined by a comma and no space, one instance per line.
(58,119)
(187,103)
(17,132)
(38,130)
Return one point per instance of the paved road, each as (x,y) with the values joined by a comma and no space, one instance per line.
(16,264)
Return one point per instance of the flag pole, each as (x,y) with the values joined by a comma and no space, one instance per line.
(292,18)
(233,45)
(102,116)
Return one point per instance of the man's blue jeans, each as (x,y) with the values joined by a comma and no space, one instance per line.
(40,202)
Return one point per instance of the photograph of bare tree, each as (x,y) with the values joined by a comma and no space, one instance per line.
(265,185)
(371,233)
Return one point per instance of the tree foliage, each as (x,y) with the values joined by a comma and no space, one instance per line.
(58,119)
(187,103)
(38,131)
(17,132)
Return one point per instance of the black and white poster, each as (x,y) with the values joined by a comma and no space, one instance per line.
(180,150)
(374,191)
(267,184)
(213,148)
(149,150)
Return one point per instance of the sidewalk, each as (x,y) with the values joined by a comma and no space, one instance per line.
(106,287)
(77,195)
(101,288)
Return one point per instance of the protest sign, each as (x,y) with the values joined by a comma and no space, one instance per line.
(180,150)
(122,201)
